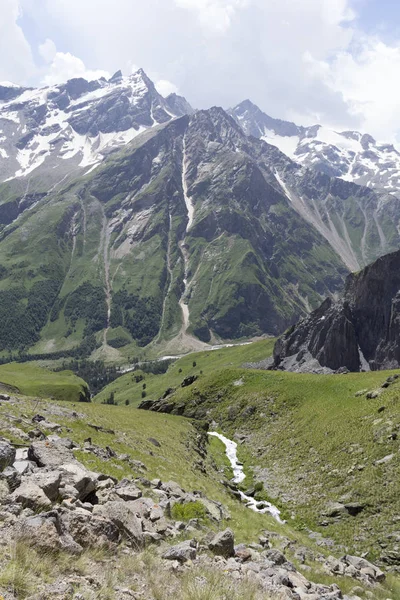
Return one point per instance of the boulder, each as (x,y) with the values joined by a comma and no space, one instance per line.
(41,532)
(223,544)
(335,509)
(370,571)
(76,481)
(182,552)
(90,530)
(48,482)
(173,489)
(7,455)
(51,453)
(125,519)
(128,491)
(30,495)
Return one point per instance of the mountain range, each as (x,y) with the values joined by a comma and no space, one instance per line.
(129,219)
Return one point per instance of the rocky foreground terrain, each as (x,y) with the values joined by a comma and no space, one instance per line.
(70,533)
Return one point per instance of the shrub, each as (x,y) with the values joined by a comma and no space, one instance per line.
(191,510)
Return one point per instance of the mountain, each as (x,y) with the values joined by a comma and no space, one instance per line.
(350,155)
(127,219)
(72,126)
(185,232)
(361,222)
(358,332)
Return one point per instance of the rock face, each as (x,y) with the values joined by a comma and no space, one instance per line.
(358,332)
(7,455)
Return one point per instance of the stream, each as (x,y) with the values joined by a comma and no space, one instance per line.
(239,476)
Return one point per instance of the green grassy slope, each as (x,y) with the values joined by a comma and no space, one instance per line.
(313,441)
(309,438)
(125,387)
(32,380)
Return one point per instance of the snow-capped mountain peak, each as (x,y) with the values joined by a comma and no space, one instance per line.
(75,124)
(350,155)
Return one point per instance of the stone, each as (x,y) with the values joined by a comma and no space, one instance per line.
(23,466)
(334,509)
(74,476)
(223,544)
(182,552)
(369,570)
(41,532)
(51,454)
(90,530)
(189,380)
(155,442)
(30,495)
(128,492)
(12,477)
(5,397)
(173,489)
(123,516)
(275,556)
(48,482)
(385,459)
(7,455)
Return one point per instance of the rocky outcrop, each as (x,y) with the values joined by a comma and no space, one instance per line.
(358,332)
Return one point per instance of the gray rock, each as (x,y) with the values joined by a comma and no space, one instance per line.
(7,455)
(334,509)
(182,552)
(223,544)
(128,492)
(124,517)
(48,482)
(90,530)
(76,481)
(173,489)
(30,495)
(52,453)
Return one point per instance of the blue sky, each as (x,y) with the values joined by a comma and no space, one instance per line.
(329,61)
(379,16)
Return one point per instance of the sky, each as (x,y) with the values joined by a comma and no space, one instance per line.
(335,62)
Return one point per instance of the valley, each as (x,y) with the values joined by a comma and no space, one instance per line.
(199,350)
(310,445)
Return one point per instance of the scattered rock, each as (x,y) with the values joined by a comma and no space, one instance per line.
(223,544)
(182,552)
(189,380)
(7,455)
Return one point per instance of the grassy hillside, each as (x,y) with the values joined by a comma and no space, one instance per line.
(32,380)
(302,435)
(202,364)
(314,440)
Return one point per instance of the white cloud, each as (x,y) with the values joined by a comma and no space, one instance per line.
(48,50)
(64,66)
(301,60)
(215,15)
(165,87)
(368,80)
(17,62)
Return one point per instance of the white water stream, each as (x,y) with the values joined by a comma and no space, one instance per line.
(239,476)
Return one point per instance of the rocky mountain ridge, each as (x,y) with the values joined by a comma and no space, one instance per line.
(357,332)
(73,126)
(132,225)
(350,155)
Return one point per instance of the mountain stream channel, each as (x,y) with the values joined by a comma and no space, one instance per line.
(239,476)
